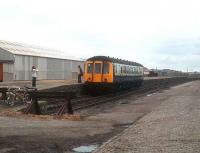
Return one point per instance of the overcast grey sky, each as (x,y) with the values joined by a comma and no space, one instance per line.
(156,33)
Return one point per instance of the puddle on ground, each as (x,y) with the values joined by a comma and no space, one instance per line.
(85,149)
(124,125)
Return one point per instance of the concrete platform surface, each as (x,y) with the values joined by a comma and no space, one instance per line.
(41,84)
(47,84)
(172,127)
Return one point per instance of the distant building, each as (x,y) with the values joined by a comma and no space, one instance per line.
(171,73)
(194,74)
(16,61)
(146,71)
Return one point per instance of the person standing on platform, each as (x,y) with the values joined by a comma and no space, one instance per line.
(34,76)
(80,74)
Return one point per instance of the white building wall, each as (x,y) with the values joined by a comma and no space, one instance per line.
(67,69)
(27,67)
(48,68)
(19,68)
(55,69)
(42,67)
(8,71)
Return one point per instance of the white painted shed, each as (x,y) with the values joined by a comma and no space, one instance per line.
(17,59)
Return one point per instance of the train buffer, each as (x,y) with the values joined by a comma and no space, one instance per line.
(35,96)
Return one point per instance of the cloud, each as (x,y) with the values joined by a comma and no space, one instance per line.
(155,33)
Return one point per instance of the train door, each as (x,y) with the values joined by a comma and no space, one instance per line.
(88,72)
(97,73)
(1,72)
(107,72)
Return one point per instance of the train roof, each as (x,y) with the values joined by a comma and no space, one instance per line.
(114,60)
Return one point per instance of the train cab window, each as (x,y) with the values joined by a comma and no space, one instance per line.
(89,67)
(105,68)
(97,68)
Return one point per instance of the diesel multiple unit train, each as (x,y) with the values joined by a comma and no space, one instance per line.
(105,73)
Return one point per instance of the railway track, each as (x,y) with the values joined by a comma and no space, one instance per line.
(83,101)
(86,102)
(146,88)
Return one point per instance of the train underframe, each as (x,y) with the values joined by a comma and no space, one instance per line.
(105,88)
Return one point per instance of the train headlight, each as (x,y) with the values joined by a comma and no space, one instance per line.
(89,79)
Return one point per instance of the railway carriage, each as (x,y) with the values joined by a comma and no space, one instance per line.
(110,74)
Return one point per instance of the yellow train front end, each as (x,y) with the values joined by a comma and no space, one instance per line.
(102,73)
(98,72)
(98,76)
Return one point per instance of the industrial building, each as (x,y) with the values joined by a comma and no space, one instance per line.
(17,59)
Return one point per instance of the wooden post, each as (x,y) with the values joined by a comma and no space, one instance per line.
(66,107)
(36,106)
(3,92)
(69,105)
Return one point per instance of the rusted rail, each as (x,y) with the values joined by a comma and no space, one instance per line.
(65,107)
(60,102)
(149,86)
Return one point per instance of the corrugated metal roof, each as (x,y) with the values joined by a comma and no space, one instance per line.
(31,50)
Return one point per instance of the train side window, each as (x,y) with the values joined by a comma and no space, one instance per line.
(118,69)
(135,69)
(132,70)
(106,68)
(129,70)
(142,70)
(97,68)
(139,70)
(89,68)
(115,68)
(124,69)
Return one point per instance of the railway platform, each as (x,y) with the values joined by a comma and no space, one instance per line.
(171,127)
(41,84)
(49,84)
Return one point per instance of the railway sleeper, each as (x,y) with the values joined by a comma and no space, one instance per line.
(39,107)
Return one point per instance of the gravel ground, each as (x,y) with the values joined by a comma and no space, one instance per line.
(172,127)
(100,123)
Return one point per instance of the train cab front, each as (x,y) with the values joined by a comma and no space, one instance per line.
(98,75)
